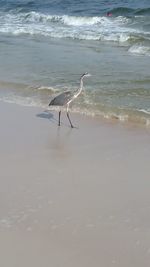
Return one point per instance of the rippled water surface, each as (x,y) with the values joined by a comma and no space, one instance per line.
(46,45)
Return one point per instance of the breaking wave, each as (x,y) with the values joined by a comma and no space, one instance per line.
(140,49)
(102,28)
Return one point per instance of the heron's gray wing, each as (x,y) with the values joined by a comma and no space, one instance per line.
(61,99)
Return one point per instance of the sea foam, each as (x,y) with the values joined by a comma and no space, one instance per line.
(140,49)
(101,28)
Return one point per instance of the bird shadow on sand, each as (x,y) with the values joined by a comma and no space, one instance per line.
(50,116)
(45,115)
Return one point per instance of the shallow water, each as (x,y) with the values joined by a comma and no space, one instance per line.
(46,46)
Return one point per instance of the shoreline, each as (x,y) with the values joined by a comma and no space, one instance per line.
(122,120)
(72,197)
(36,96)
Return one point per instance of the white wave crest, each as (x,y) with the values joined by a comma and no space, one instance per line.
(140,49)
(43,18)
(71,20)
(145,111)
(81,21)
(65,26)
(117,37)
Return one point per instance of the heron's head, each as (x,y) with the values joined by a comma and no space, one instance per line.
(86,74)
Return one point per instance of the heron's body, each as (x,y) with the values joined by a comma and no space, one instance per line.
(65,98)
(62,99)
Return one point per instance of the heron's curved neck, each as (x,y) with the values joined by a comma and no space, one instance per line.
(80,86)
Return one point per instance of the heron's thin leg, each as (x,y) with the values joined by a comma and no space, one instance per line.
(59,118)
(69,120)
(69,117)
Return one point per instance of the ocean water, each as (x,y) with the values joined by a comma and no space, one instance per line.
(46,45)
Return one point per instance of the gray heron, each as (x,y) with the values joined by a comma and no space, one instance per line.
(65,98)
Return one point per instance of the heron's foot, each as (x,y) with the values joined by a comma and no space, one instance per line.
(74,127)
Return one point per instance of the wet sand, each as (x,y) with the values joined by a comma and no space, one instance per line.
(72,197)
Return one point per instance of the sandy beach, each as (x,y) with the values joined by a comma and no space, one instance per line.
(72,197)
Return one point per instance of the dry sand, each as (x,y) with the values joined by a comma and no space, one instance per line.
(72,197)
